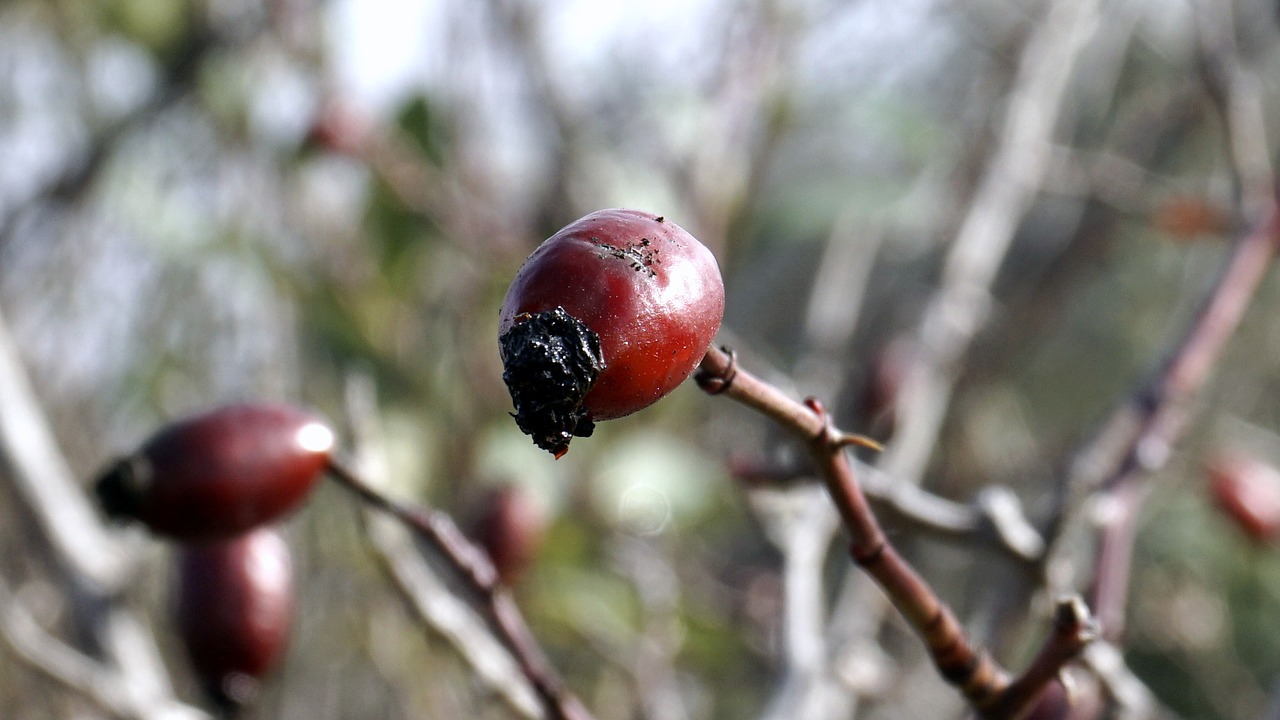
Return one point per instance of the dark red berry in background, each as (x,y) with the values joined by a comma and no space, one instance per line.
(607,316)
(234,605)
(882,390)
(1056,702)
(510,526)
(341,129)
(1247,490)
(214,475)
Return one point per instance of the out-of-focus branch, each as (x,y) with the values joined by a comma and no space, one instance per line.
(129,678)
(1237,92)
(1140,436)
(1133,698)
(76,177)
(800,522)
(652,664)
(452,617)
(798,518)
(961,663)
(995,515)
(473,567)
(422,586)
(1011,181)
(30,458)
(138,692)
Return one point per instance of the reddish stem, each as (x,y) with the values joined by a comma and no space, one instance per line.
(472,565)
(964,665)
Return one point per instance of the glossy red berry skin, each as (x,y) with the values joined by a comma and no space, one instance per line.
(647,290)
(1247,490)
(234,606)
(217,474)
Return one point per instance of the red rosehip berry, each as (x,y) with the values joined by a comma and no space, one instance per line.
(214,475)
(883,387)
(509,525)
(1247,490)
(607,316)
(233,606)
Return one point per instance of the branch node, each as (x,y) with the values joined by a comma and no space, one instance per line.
(716,383)
(867,556)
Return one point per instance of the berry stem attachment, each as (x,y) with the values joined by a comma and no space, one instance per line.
(472,565)
(960,662)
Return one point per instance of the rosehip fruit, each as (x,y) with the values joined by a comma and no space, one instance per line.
(214,475)
(510,527)
(233,606)
(607,316)
(1247,490)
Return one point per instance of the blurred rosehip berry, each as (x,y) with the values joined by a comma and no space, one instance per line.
(509,525)
(234,605)
(1186,218)
(1247,490)
(214,475)
(607,316)
(339,128)
(878,402)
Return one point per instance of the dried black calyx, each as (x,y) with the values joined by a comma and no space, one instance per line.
(122,486)
(550,361)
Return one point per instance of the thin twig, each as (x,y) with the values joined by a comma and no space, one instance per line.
(964,665)
(1141,434)
(473,567)
(1073,629)
(424,586)
(1237,92)
(451,616)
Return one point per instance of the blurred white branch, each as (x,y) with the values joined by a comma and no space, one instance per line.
(1238,91)
(134,685)
(130,679)
(800,522)
(1011,182)
(30,458)
(659,640)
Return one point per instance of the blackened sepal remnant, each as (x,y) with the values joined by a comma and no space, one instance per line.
(550,361)
(121,487)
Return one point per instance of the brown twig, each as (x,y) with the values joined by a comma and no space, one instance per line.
(1073,629)
(474,568)
(964,665)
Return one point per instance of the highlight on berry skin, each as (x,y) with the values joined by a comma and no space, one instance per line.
(604,318)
